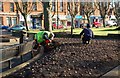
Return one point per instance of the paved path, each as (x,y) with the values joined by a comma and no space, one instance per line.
(115,73)
(12,42)
(6,34)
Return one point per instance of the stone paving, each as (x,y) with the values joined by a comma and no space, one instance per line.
(113,73)
(6,34)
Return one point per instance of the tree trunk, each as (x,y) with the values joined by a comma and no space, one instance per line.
(88,19)
(72,25)
(118,21)
(104,22)
(50,22)
(118,24)
(25,19)
(17,14)
(46,16)
(84,19)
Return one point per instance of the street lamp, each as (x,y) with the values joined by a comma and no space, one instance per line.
(57,14)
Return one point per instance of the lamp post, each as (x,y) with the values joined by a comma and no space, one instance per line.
(57,15)
(17,15)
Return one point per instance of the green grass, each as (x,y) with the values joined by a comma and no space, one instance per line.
(33,31)
(96,31)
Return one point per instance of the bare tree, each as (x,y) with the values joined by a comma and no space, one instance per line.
(117,12)
(47,9)
(88,9)
(17,14)
(103,8)
(72,8)
(25,8)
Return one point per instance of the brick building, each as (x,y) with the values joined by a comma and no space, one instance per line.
(9,16)
(7,13)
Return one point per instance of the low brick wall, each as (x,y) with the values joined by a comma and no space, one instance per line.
(16,55)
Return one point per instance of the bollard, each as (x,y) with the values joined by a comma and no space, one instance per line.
(18,34)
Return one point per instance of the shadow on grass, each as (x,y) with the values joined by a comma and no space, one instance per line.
(109,36)
(110,30)
(68,35)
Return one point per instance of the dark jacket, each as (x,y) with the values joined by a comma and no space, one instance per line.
(87,33)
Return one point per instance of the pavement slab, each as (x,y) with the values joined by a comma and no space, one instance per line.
(113,73)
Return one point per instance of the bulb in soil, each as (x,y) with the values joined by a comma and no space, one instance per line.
(90,73)
(32,69)
(64,71)
(28,68)
(20,73)
(95,67)
(48,69)
(65,75)
(76,72)
(69,69)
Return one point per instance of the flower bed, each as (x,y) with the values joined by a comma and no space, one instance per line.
(74,59)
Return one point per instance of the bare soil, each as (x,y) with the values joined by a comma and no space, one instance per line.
(74,59)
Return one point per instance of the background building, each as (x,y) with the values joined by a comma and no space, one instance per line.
(9,15)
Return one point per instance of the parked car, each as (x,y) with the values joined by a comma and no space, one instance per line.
(17,27)
(59,26)
(4,27)
(97,24)
(36,27)
(111,23)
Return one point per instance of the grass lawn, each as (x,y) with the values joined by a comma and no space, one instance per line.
(33,31)
(96,31)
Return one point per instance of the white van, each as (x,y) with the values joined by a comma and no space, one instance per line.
(111,23)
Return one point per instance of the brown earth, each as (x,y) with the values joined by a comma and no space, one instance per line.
(74,59)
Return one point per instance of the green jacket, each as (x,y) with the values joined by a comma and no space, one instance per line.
(39,36)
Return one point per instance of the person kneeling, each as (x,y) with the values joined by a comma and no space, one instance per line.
(44,37)
(87,34)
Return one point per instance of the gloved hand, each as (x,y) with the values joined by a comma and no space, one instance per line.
(47,41)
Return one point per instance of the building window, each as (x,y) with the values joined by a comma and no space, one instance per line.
(61,5)
(118,4)
(81,8)
(12,7)
(14,20)
(1,6)
(34,6)
(9,22)
(93,5)
(53,6)
(1,21)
